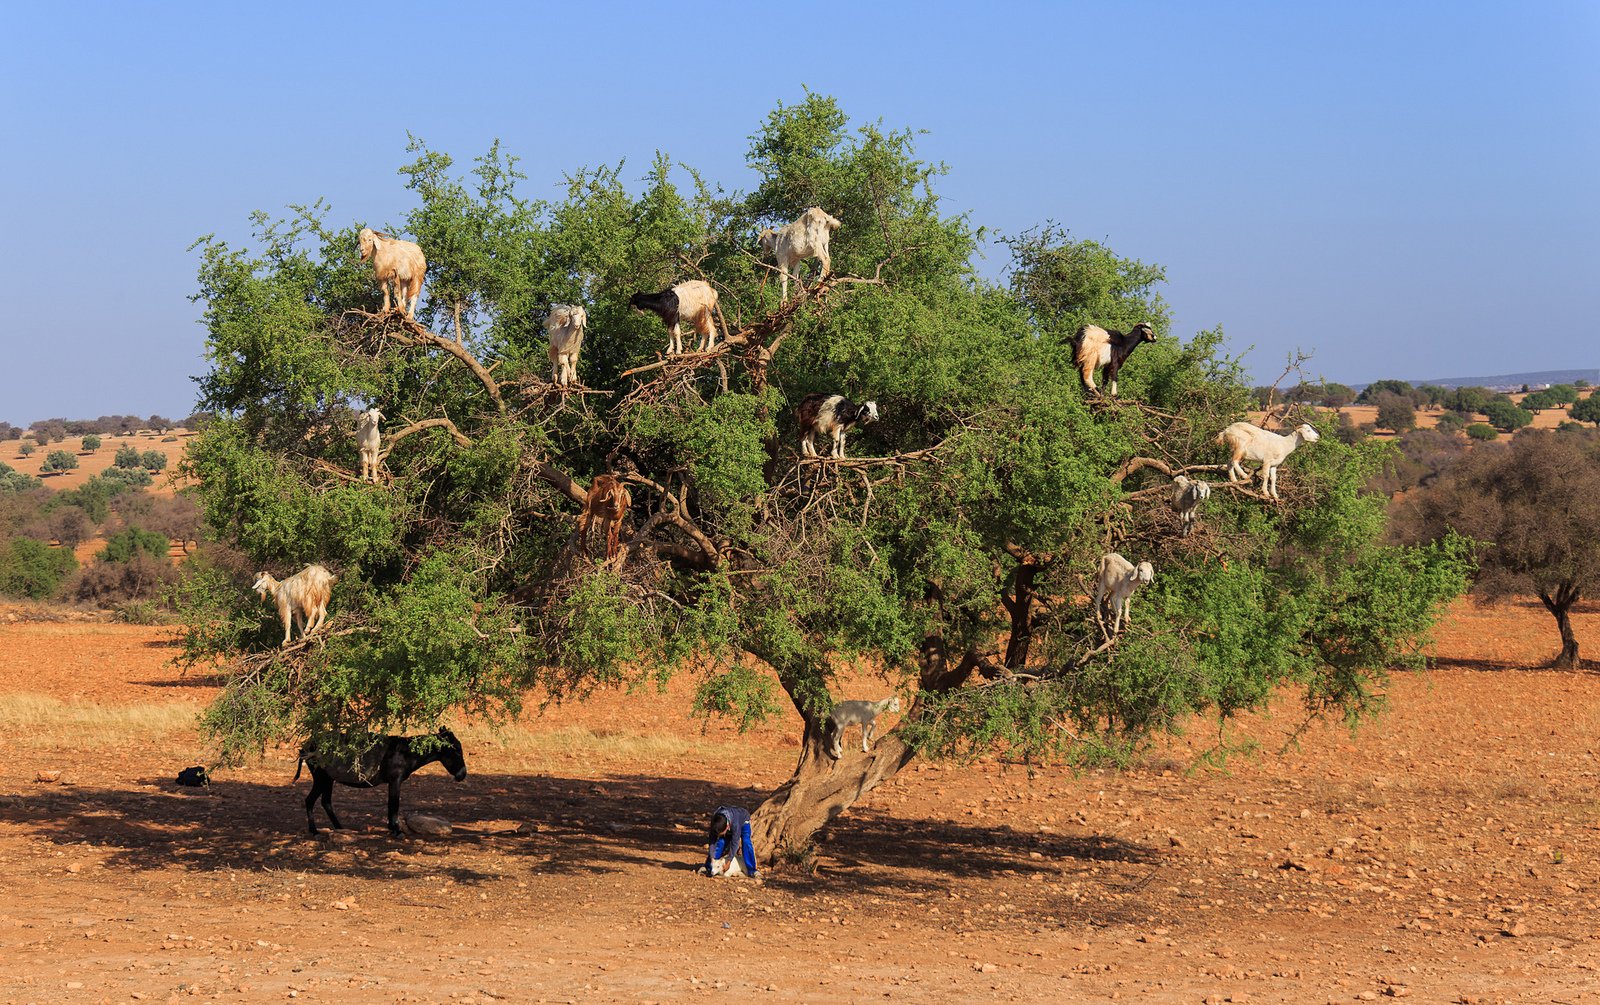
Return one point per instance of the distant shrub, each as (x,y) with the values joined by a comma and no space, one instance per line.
(1587,410)
(59,460)
(91,442)
(1482,431)
(1450,422)
(128,456)
(128,478)
(122,547)
(12,480)
(169,439)
(1568,426)
(140,578)
(27,447)
(30,568)
(71,526)
(153,460)
(1396,413)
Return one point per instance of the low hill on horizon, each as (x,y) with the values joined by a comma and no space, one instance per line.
(1531,378)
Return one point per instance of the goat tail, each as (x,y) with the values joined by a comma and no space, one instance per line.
(298,764)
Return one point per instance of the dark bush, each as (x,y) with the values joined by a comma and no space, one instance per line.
(1482,431)
(153,460)
(123,546)
(1506,416)
(128,457)
(140,578)
(30,568)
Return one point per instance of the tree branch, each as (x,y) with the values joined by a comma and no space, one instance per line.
(422,336)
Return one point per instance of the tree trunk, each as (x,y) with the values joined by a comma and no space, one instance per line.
(459,339)
(822,788)
(1560,605)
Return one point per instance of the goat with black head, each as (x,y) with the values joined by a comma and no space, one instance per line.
(831,415)
(1095,347)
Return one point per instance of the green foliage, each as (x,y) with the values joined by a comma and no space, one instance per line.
(1370,394)
(1449,422)
(59,460)
(91,442)
(33,569)
(1469,399)
(1586,410)
(124,545)
(1482,431)
(12,480)
(153,460)
(1506,416)
(990,484)
(128,457)
(27,447)
(1396,413)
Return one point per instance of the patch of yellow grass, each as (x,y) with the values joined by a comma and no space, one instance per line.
(40,720)
(530,748)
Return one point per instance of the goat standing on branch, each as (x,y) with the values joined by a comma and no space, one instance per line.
(1245,440)
(793,243)
(1116,580)
(368,441)
(830,415)
(1187,495)
(693,301)
(395,262)
(302,598)
(608,502)
(1094,347)
(565,328)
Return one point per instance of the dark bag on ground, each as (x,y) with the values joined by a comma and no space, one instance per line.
(194,776)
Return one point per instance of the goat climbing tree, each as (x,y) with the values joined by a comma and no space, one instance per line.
(950,553)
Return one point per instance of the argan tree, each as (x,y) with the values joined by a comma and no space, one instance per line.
(947,553)
(1535,503)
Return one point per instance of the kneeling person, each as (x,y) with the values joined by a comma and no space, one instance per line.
(732,851)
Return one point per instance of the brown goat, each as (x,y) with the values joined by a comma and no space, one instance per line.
(608,502)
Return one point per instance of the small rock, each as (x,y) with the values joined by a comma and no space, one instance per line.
(1368,996)
(1515,931)
(48,776)
(1174,840)
(985,968)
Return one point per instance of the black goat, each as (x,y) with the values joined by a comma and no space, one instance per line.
(1095,347)
(390,759)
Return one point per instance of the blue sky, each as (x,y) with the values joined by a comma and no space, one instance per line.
(1406,189)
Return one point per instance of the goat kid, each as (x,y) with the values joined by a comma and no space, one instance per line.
(565,327)
(1095,347)
(831,415)
(302,598)
(607,502)
(368,441)
(1117,579)
(795,242)
(389,760)
(397,263)
(855,713)
(693,301)
(1187,495)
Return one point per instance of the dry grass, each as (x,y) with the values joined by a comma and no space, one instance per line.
(37,720)
(520,747)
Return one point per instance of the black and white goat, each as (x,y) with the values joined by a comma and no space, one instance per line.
(1094,347)
(693,301)
(831,415)
(1187,495)
(389,760)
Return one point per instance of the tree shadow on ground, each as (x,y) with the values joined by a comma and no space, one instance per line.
(560,825)
(1497,666)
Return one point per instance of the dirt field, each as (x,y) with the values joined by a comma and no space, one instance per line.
(90,465)
(1445,853)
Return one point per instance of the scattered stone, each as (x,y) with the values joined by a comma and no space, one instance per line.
(1515,931)
(48,776)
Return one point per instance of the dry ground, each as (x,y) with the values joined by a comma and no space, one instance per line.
(90,465)
(1446,853)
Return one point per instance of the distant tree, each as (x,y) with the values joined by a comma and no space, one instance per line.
(1450,422)
(128,478)
(1263,395)
(158,423)
(27,448)
(71,526)
(1434,395)
(91,442)
(1469,399)
(1536,502)
(12,480)
(1580,383)
(1586,410)
(128,456)
(178,517)
(1369,394)
(122,546)
(31,568)
(1335,395)
(59,460)
(1538,401)
(153,460)
(10,432)
(1562,394)
(1482,431)
(1348,432)
(1507,416)
(197,421)
(1524,389)
(1395,412)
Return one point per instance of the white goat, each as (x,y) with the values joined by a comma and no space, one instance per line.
(398,262)
(565,328)
(1117,579)
(805,238)
(302,598)
(368,440)
(1187,495)
(1250,441)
